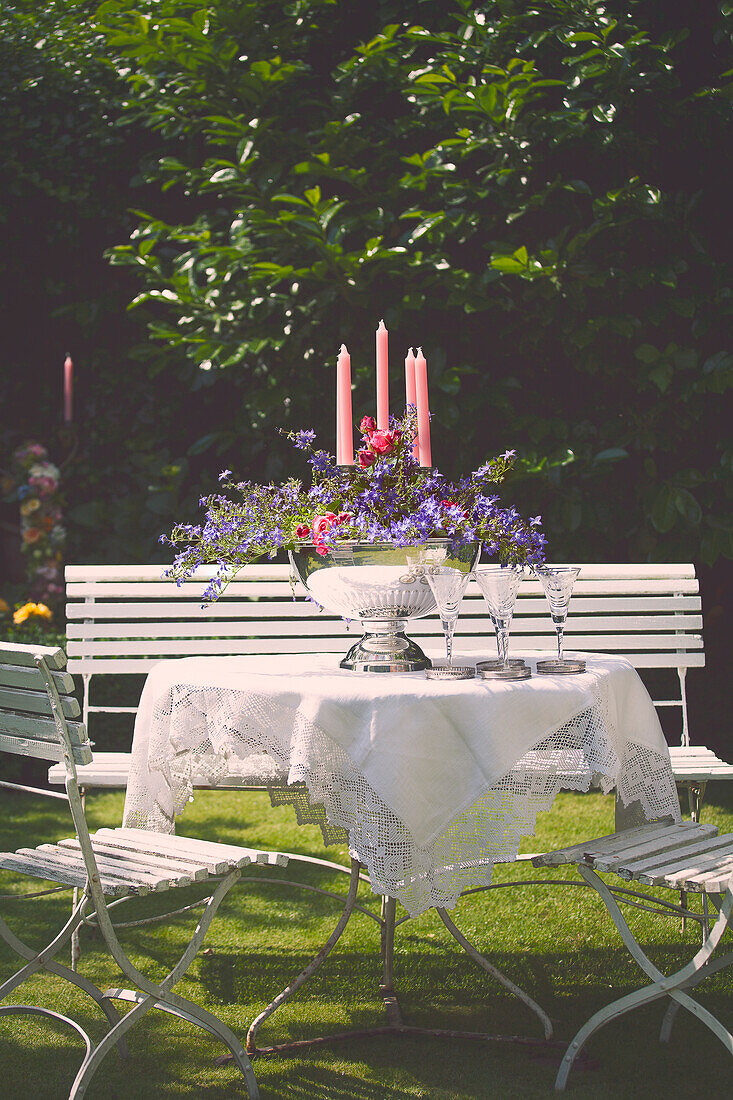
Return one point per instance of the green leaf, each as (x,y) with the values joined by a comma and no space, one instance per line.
(203,443)
(224,175)
(582,36)
(611,454)
(604,112)
(508,265)
(662,375)
(688,507)
(664,510)
(646,353)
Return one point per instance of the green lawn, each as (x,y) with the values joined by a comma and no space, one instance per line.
(557,942)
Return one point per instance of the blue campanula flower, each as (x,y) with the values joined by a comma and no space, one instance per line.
(391,499)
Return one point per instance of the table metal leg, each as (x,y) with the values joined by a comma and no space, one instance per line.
(395,1022)
(391,1004)
(486,965)
(310,969)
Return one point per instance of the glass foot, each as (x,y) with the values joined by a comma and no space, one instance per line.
(451,672)
(511,672)
(555,667)
(495,663)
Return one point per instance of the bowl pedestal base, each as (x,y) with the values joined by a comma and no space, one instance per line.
(384,647)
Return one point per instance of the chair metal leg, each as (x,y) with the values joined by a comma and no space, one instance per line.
(671,1014)
(662,985)
(75,945)
(35,1010)
(37,960)
(161,996)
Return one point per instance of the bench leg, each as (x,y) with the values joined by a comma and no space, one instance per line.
(695,796)
(75,946)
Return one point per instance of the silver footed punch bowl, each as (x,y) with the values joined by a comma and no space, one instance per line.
(383,586)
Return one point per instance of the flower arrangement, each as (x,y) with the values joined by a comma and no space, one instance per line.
(42,534)
(386,496)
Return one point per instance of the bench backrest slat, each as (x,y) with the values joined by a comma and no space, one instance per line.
(271,626)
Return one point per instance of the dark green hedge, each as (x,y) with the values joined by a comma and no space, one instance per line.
(537,194)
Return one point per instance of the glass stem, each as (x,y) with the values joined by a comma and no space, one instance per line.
(559,627)
(502,641)
(449,625)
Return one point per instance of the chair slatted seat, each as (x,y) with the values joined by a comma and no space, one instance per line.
(130,868)
(122,619)
(116,863)
(690,857)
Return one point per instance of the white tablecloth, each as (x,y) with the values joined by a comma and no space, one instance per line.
(434,780)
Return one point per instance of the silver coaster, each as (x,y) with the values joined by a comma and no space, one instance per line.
(451,672)
(495,663)
(513,672)
(554,667)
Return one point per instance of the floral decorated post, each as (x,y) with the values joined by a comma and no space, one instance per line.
(42,532)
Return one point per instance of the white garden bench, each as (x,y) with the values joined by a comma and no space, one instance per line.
(122,619)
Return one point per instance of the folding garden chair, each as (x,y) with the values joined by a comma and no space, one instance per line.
(37,712)
(689,857)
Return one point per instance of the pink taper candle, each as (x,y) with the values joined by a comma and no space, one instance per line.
(410,392)
(68,389)
(423,413)
(382,377)
(344,422)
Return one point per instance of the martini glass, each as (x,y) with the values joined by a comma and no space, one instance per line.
(558,582)
(448,587)
(499,585)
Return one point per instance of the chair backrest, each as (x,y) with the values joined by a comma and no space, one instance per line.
(37,705)
(37,712)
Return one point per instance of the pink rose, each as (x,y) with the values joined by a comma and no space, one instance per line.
(368,424)
(302,531)
(343,517)
(321,548)
(366,458)
(383,442)
(322,524)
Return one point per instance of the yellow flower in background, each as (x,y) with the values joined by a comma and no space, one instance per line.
(4,608)
(38,609)
(29,506)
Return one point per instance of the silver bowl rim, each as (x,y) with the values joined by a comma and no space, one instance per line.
(385,545)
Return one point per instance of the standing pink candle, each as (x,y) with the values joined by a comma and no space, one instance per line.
(68,389)
(410,392)
(423,409)
(344,418)
(382,377)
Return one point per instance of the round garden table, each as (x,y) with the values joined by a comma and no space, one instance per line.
(430,782)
